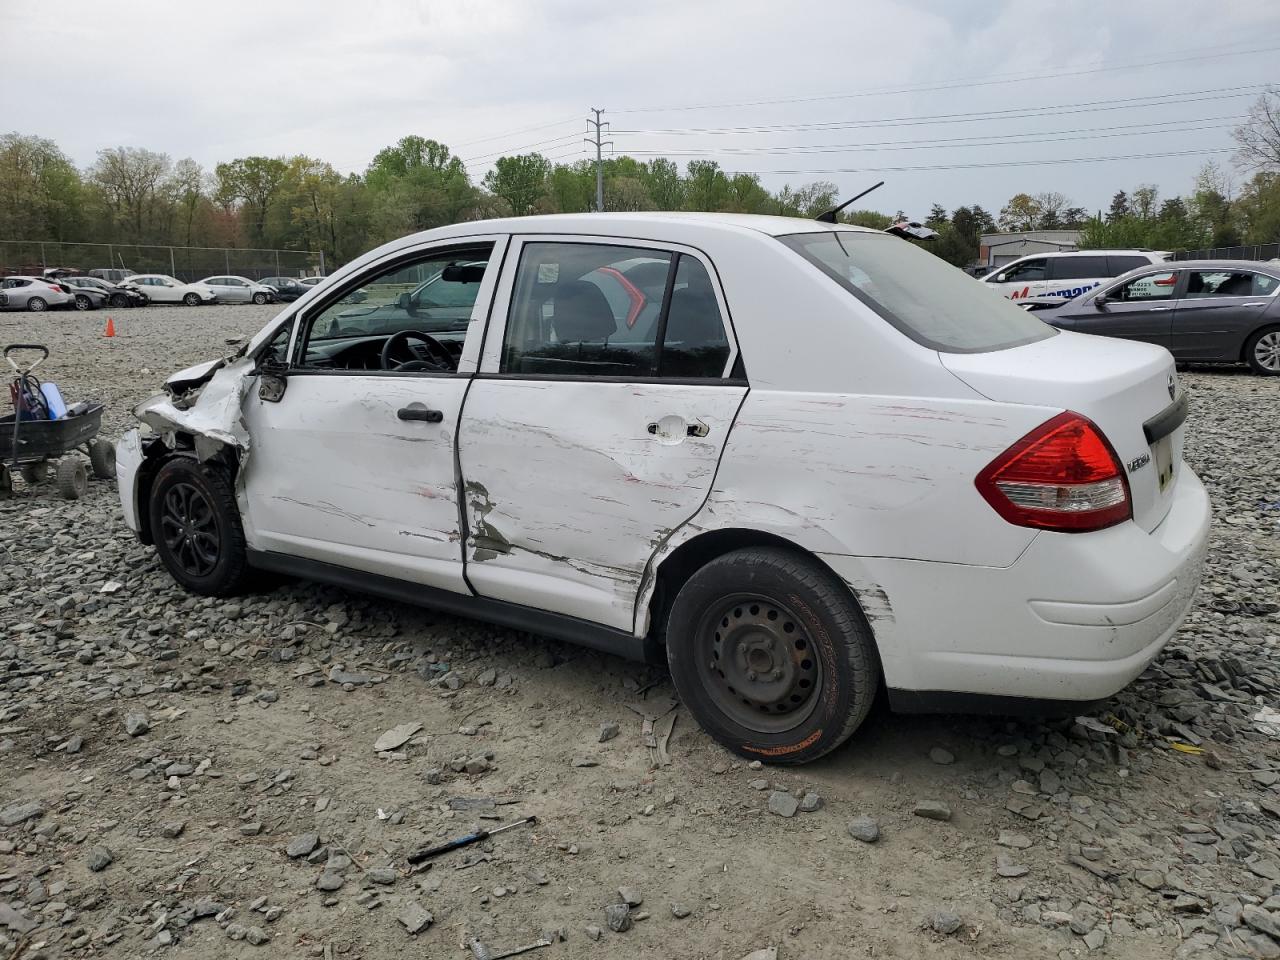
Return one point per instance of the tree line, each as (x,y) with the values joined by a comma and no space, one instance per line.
(133,195)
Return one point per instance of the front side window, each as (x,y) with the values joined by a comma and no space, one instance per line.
(596,310)
(1029,271)
(429,298)
(920,294)
(1151,286)
(1228,283)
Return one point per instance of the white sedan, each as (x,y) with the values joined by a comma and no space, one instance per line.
(160,288)
(798,461)
(239,290)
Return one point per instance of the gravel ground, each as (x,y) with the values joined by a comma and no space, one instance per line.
(180,774)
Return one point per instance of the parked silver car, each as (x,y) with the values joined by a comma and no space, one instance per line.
(33,293)
(239,290)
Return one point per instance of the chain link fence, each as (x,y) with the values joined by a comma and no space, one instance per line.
(1256,251)
(185,263)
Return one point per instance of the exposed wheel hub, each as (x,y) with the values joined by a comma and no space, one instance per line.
(758,664)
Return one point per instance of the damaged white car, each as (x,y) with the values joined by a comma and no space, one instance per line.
(799,461)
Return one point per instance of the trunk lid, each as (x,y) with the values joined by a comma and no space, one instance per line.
(1118,384)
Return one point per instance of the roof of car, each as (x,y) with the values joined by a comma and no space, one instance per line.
(1271,268)
(614,222)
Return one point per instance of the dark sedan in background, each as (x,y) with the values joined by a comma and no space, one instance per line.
(100,293)
(287,288)
(1202,311)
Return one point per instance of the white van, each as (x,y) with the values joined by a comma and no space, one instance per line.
(1067,274)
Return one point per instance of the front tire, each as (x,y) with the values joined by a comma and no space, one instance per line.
(191,300)
(119,301)
(83,302)
(259,298)
(772,655)
(37,305)
(196,527)
(1263,352)
(102,459)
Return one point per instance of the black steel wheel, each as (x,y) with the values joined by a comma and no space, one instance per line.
(757,664)
(772,655)
(195,524)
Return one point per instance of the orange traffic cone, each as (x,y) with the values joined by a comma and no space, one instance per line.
(111,328)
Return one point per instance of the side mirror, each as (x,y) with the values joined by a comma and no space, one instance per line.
(272,379)
(1101,301)
(405,302)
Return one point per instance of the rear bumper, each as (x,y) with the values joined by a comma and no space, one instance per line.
(1076,618)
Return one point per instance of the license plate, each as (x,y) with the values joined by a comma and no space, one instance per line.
(1162,457)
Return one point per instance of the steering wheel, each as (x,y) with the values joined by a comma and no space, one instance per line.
(397,356)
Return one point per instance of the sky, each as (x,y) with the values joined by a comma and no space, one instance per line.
(977,100)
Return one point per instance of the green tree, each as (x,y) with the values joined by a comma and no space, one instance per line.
(1022,212)
(41,193)
(519,181)
(254,183)
(130,180)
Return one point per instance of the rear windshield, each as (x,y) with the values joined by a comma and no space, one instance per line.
(925,297)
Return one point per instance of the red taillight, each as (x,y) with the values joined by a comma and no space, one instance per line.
(1063,475)
(55,289)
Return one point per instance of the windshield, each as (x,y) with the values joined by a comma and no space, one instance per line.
(922,295)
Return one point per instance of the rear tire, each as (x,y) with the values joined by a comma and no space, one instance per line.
(102,459)
(195,523)
(191,300)
(33,473)
(771,655)
(1262,351)
(73,478)
(37,305)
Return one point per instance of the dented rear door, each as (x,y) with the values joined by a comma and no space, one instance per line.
(582,444)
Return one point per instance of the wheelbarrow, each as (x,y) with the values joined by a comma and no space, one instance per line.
(39,446)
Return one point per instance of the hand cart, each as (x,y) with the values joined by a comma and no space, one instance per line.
(37,445)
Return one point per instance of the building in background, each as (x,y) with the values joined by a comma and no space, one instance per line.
(996,249)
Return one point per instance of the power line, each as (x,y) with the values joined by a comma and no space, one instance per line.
(1012,113)
(512,150)
(991,80)
(892,145)
(987,165)
(512,133)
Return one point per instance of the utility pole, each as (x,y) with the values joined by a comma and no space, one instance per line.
(599,145)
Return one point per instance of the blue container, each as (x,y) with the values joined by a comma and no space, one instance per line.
(53,397)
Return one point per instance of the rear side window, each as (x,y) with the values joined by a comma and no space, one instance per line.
(1078,268)
(1228,283)
(922,295)
(596,310)
(1117,265)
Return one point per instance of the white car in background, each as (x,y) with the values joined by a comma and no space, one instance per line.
(160,288)
(825,462)
(32,293)
(239,290)
(1065,275)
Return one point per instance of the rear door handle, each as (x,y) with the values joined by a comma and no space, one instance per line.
(416,411)
(1254,304)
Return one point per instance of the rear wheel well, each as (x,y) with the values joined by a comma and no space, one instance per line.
(694,554)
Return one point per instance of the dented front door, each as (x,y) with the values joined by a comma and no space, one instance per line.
(356,466)
(577,459)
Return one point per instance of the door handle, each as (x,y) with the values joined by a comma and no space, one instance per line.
(416,411)
(669,429)
(1159,309)
(1253,304)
